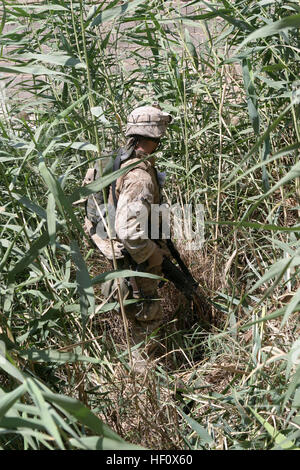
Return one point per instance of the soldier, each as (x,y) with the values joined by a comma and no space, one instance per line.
(132,195)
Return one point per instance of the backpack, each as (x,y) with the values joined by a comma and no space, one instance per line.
(95,209)
(95,201)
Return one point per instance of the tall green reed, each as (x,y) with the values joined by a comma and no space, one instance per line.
(233,146)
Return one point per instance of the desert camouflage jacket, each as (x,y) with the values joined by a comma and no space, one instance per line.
(136,190)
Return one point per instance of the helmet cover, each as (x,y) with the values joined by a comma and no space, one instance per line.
(147,121)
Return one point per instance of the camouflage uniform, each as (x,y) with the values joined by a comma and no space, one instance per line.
(136,191)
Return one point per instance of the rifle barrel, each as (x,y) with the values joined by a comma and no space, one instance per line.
(175,253)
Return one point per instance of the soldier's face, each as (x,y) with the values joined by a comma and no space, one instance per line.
(155,146)
(147,145)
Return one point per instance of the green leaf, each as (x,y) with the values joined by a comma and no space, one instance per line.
(293,358)
(250,94)
(285,151)
(51,221)
(278,313)
(291,307)
(87,146)
(191,47)
(45,414)
(223,13)
(122,273)
(67,111)
(85,288)
(116,12)
(49,355)
(203,131)
(29,69)
(43,8)
(56,59)
(82,414)
(17,422)
(173,165)
(10,369)
(279,438)
(3,16)
(200,430)
(102,443)
(99,113)
(273,28)
(107,307)
(292,386)
(277,269)
(7,400)
(36,248)
(32,206)
(61,199)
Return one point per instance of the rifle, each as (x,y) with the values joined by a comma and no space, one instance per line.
(184,281)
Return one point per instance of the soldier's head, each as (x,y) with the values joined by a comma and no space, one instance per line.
(148,124)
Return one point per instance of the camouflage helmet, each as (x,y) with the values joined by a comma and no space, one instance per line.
(147,121)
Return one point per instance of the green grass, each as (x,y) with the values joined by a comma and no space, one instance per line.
(233,146)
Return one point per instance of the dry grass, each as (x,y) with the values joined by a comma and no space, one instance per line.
(148,401)
(143,412)
(179,314)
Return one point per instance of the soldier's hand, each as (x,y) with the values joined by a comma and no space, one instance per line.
(157,257)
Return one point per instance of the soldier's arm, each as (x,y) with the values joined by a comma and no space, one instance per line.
(135,199)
